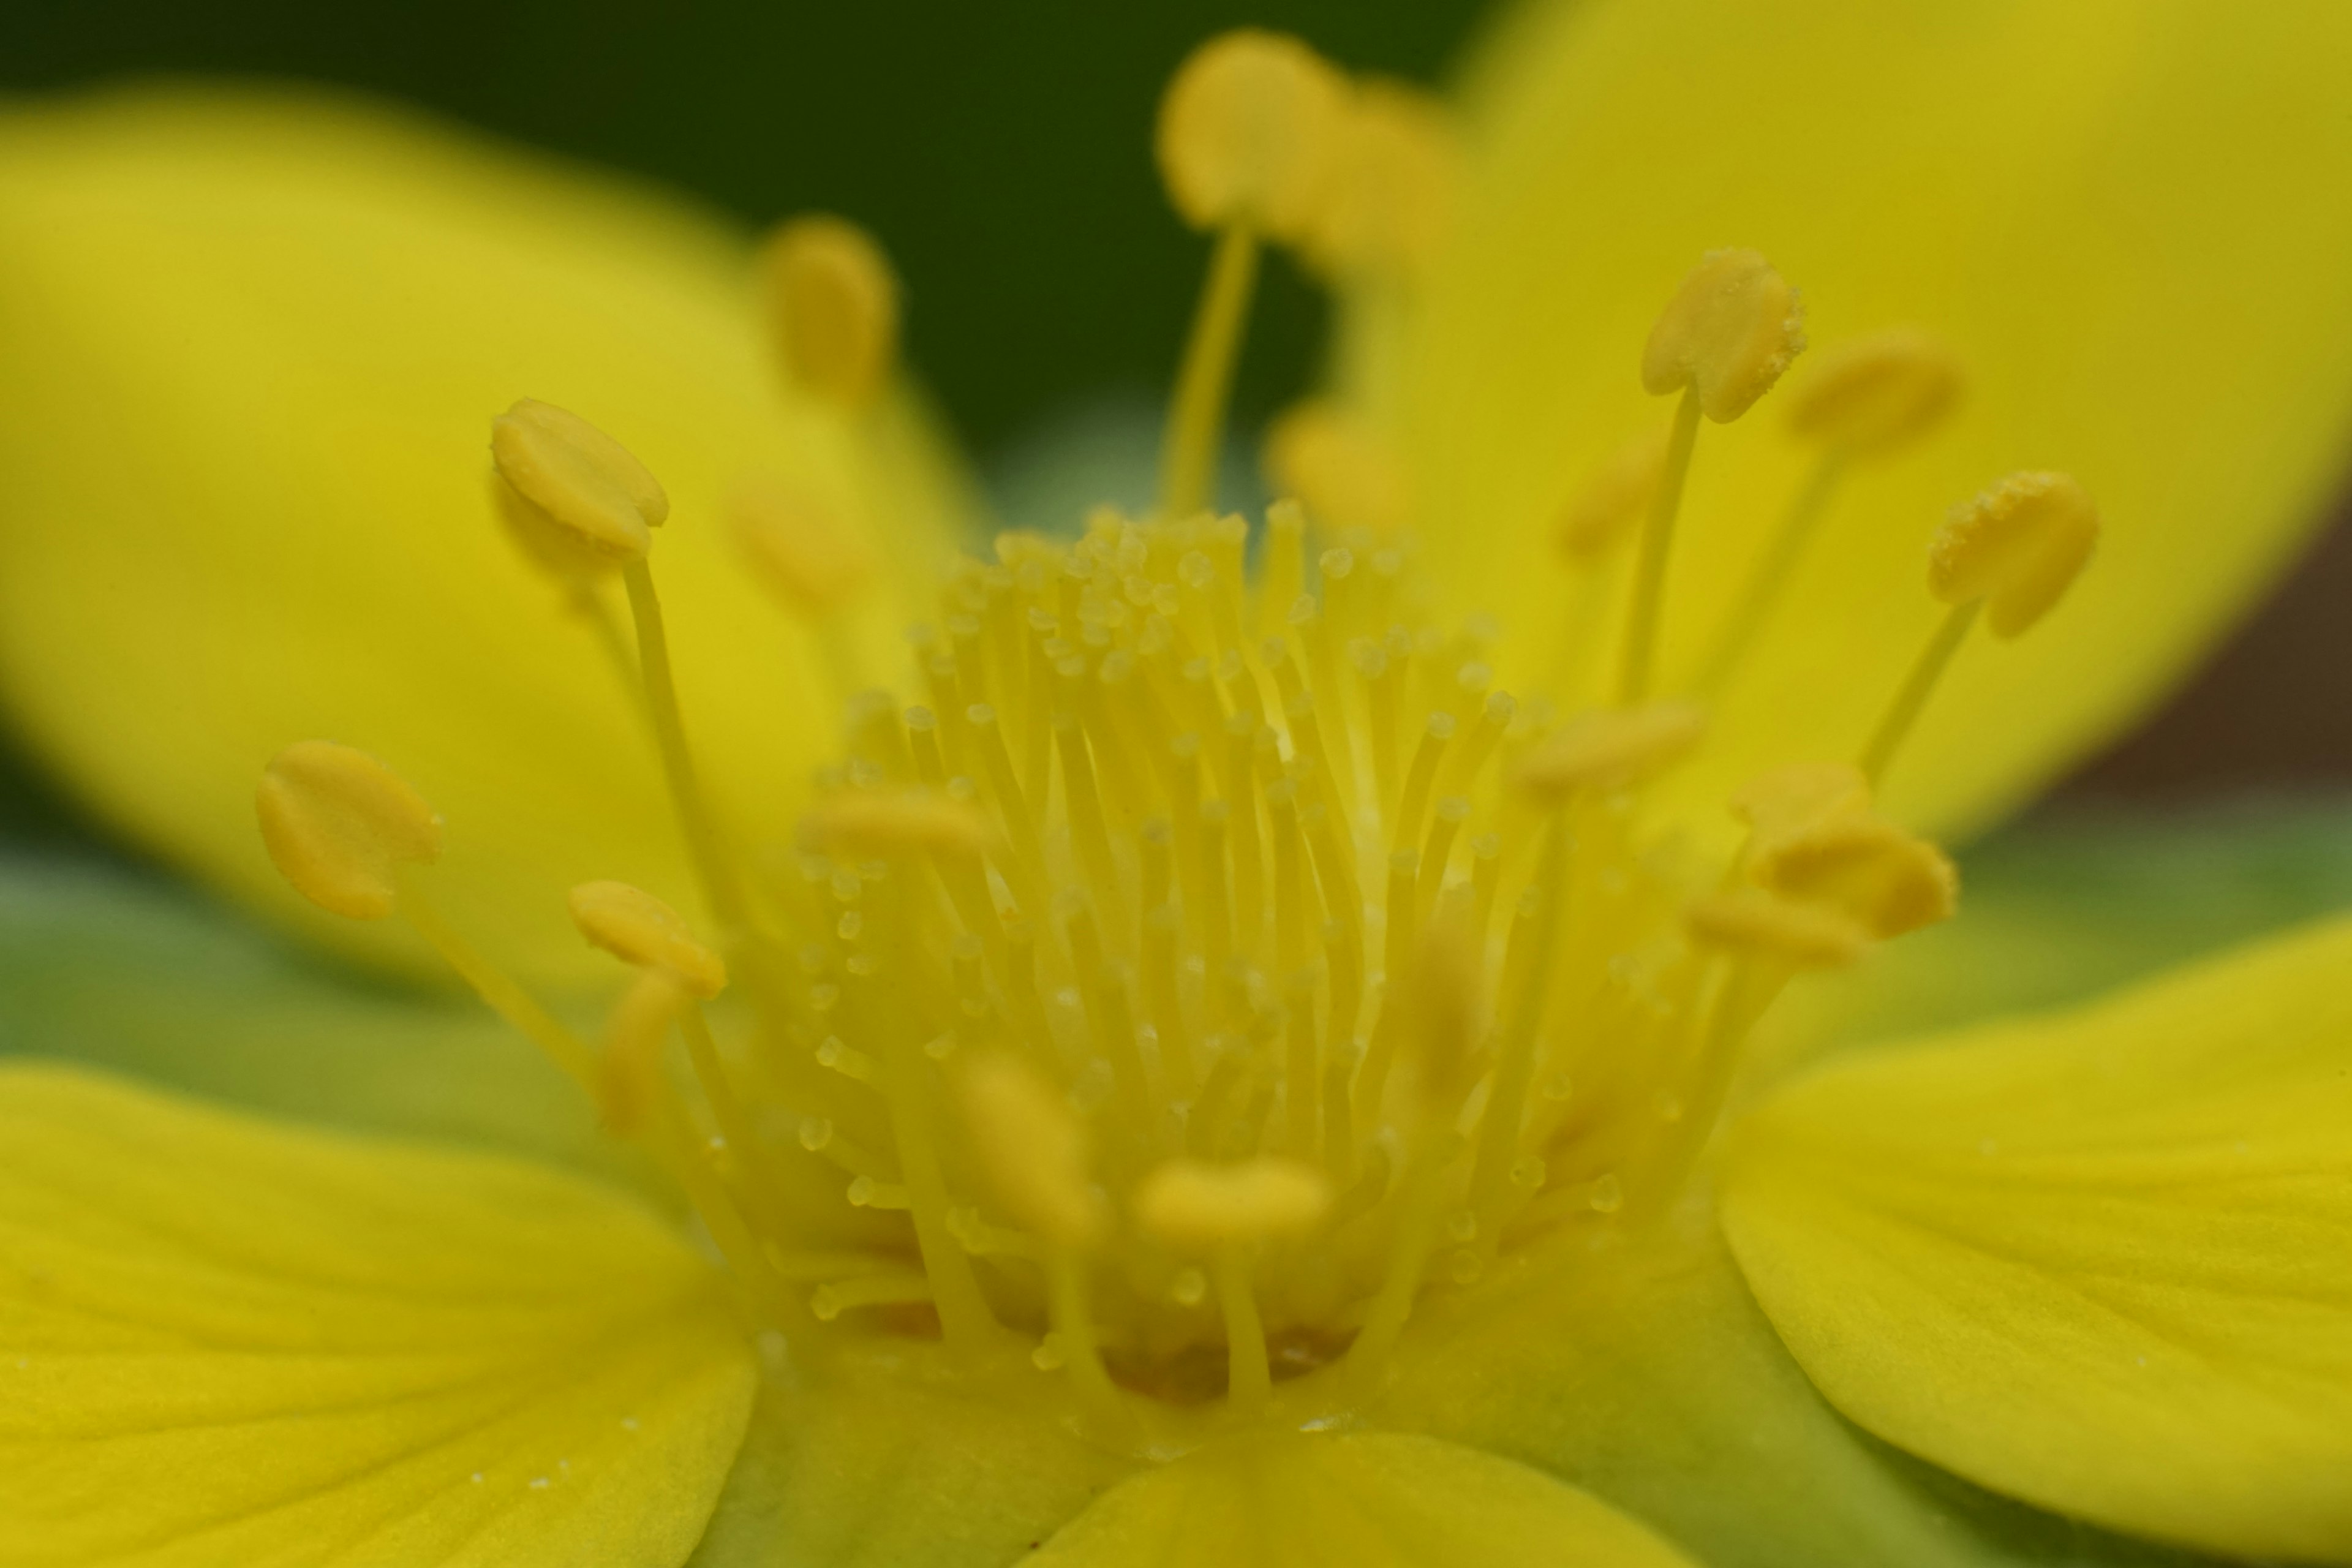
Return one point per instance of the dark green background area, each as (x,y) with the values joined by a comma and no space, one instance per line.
(1002,151)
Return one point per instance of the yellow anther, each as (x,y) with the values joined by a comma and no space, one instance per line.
(1729,332)
(1866,868)
(1390,193)
(1788,799)
(586,483)
(1613,500)
(1875,393)
(1748,920)
(1032,1150)
(338,823)
(2017,547)
(832,305)
(799,548)
(629,1074)
(1248,129)
(884,826)
(1610,749)
(637,928)
(545,542)
(1338,470)
(1443,1002)
(1200,1208)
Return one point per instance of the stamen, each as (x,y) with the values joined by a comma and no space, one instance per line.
(832,305)
(1389,196)
(811,564)
(2012,552)
(1863,400)
(1338,470)
(1725,338)
(581,480)
(1866,868)
(1750,920)
(1245,142)
(637,928)
(1611,749)
(338,825)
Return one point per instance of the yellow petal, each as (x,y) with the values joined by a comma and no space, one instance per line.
(2101,1262)
(227,1342)
(2104,208)
(1369,1499)
(250,349)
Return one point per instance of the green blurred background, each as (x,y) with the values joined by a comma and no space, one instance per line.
(1003,151)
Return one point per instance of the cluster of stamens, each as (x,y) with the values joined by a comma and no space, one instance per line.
(1215,961)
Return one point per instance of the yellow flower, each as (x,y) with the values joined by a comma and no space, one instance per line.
(1218,1080)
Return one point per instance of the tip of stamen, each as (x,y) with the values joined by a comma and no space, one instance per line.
(1611,749)
(798,547)
(638,929)
(1390,193)
(1033,1149)
(1247,133)
(1729,331)
(833,304)
(1335,467)
(338,823)
(2018,547)
(1873,394)
(583,480)
(1750,920)
(865,827)
(1865,866)
(1199,1208)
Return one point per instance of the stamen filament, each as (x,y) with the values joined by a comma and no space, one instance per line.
(702,841)
(1249,1379)
(1644,613)
(1196,416)
(1773,572)
(499,990)
(1911,698)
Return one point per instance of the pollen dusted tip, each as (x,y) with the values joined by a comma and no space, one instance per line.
(1033,1149)
(798,547)
(1340,471)
(638,929)
(1611,749)
(1866,868)
(833,306)
(1200,1208)
(1751,921)
(865,827)
(338,825)
(1729,331)
(2017,547)
(1248,132)
(1613,500)
(583,482)
(1877,394)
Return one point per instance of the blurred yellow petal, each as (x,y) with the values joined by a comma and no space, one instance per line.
(228,1341)
(1369,1499)
(2107,208)
(250,347)
(2102,1262)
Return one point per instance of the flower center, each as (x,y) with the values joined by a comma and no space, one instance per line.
(1215,963)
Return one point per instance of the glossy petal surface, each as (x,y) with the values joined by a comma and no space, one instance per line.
(2102,1262)
(250,347)
(2104,206)
(227,1342)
